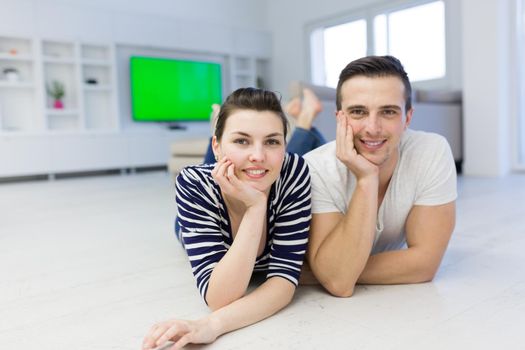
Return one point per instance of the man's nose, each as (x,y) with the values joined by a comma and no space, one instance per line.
(373,124)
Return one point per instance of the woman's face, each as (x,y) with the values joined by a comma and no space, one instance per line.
(254,142)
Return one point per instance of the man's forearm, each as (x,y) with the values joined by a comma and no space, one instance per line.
(397,267)
(342,256)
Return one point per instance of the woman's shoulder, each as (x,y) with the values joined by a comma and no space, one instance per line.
(293,162)
(195,175)
(294,170)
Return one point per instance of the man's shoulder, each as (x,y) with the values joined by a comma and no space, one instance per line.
(324,154)
(417,141)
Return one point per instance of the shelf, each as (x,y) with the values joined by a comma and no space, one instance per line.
(16,84)
(100,87)
(62,112)
(58,60)
(10,57)
(91,52)
(96,62)
(13,47)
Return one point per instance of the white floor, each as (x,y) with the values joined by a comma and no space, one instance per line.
(91,263)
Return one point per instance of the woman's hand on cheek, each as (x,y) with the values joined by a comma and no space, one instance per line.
(224,175)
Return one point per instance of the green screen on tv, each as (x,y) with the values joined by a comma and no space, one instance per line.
(168,90)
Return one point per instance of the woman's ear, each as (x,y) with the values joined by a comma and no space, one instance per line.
(216,147)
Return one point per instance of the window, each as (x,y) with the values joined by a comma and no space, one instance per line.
(520,156)
(415,35)
(341,44)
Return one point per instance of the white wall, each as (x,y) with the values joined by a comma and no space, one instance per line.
(289,22)
(18,15)
(487,76)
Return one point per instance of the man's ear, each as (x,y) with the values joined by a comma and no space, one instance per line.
(408,117)
(216,147)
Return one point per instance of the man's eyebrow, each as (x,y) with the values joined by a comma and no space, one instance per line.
(390,107)
(356,107)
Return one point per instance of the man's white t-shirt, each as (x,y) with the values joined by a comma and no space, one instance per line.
(424,175)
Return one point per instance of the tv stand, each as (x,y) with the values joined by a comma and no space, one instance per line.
(176,127)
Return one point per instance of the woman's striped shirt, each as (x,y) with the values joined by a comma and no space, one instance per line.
(205,226)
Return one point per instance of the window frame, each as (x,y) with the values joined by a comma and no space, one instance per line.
(368,13)
(517,107)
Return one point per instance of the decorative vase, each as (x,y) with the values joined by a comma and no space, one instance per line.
(58,104)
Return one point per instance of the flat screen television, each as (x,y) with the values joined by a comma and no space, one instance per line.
(170,90)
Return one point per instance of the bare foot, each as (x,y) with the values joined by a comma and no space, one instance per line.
(215,109)
(310,108)
(293,107)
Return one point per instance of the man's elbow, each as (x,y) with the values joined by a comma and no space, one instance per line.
(426,274)
(339,289)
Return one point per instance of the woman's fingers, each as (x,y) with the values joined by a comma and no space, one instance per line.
(153,335)
(185,340)
(173,333)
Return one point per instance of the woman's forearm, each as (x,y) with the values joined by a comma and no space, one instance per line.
(267,299)
(231,275)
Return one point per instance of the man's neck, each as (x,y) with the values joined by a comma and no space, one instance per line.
(385,173)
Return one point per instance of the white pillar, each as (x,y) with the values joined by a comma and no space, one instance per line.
(486,80)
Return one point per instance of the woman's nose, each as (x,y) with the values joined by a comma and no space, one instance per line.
(257,153)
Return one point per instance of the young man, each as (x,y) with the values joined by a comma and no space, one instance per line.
(379,186)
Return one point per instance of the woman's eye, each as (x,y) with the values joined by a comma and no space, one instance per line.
(273,142)
(241,141)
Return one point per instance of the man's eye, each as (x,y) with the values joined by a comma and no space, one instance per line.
(389,112)
(357,113)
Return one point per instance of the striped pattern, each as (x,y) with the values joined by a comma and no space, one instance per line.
(206,232)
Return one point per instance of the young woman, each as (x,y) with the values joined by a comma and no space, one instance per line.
(250,211)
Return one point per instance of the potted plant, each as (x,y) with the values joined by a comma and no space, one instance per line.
(56,91)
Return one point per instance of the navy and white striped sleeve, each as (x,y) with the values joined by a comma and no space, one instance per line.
(197,214)
(292,221)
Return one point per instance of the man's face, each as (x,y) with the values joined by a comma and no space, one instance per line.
(375,108)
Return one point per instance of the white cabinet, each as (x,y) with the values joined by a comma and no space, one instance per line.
(84,131)
(248,71)
(98,87)
(18,97)
(85,71)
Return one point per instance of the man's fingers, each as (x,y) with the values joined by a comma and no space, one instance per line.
(340,133)
(349,137)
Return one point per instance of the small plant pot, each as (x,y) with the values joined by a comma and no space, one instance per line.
(58,104)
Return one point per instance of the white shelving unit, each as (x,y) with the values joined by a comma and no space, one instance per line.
(98,87)
(248,71)
(60,64)
(18,102)
(86,133)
